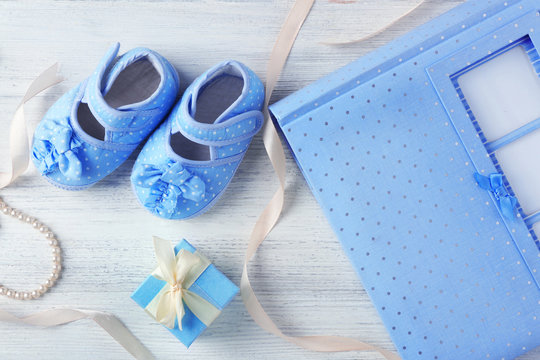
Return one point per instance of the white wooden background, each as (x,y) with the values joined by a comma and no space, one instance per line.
(301,274)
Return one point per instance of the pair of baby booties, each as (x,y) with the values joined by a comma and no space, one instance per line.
(186,163)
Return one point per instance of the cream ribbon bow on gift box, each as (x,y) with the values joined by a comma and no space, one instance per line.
(179,272)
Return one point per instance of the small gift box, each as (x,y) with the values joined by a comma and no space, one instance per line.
(185,293)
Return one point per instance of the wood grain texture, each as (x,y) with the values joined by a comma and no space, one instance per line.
(301,275)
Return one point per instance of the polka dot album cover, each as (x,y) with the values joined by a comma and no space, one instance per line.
(423,157)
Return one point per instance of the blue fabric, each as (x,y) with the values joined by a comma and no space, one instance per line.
(212,285)
(173,187)
(69,157)
(389,149)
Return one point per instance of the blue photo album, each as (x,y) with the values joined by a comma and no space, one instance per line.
(424,158)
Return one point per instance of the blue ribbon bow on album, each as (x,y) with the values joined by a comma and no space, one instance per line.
(494,183)
(415,169)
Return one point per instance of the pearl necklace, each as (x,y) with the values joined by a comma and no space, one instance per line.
(56,251)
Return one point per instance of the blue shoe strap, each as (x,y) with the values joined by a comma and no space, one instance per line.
(132,114)
(512,136)
(230,131)
(96,87)
(106,145)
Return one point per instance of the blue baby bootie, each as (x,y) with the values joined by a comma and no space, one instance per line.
(190,159)
(93,128)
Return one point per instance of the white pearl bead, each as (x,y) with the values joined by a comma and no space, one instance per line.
(56,251)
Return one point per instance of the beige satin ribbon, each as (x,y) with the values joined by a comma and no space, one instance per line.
(108,322)
(272,211)
(18,133)
(377,32)
(179,272)
(19,150)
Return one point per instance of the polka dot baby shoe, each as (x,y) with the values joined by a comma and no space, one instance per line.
(93,128)
(188,162)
